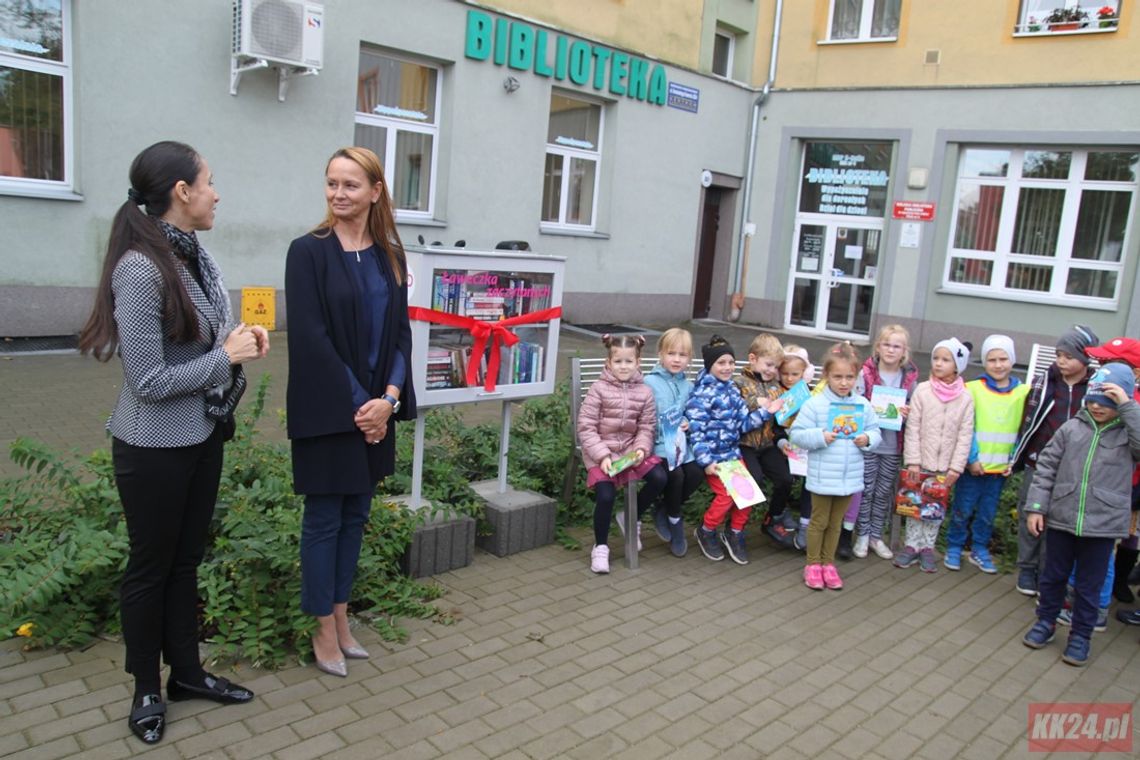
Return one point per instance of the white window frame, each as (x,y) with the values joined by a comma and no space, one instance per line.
(567,153)
(865,19)
(1062,262)
(722,32)
(392,125)
(43,188)
(1038,26)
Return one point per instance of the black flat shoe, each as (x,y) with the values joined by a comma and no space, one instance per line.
(148,719)
(213,688)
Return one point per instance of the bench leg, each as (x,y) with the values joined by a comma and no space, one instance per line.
(631,525)
(896,531)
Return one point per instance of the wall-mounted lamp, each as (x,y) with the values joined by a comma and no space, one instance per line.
(510,84)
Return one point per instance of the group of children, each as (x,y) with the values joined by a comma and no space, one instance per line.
(1075,434)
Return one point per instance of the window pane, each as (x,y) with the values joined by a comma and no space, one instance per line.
(845,178)
(971,271)
(982,162)
(411,179)
(580,202)
(1113,167)
(1046,164)
(1028,277)
(396,89)
(552,188)
(885,21)
(573,123)
(722,45)
(1100,225)
(31,125)
(32,27)
(805,295)
(845,18)
(979,213)
(373,138)
(810,253)
(1038,221)
(1098,283)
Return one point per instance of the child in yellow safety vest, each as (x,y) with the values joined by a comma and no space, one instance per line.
(999,399)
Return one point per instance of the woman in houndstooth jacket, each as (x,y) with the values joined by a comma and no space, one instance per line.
(161,303)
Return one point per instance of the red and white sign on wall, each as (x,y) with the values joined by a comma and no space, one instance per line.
(915,211)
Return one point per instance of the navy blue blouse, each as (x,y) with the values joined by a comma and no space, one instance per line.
(373,291)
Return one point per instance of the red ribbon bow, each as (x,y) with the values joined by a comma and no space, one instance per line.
(495,332)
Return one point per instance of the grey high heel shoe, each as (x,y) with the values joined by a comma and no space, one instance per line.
(337,668)
(355,652)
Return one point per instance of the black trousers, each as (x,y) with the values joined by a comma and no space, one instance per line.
(770,462)
(168,498)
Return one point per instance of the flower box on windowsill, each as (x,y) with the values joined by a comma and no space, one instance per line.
(1067,26)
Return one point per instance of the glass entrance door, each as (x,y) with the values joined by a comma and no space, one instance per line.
(832,283)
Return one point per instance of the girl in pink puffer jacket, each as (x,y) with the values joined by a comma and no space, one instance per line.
(619,417)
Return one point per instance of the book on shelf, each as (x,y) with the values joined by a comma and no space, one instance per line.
(490,295)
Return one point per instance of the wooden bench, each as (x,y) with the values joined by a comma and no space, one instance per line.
(583,374)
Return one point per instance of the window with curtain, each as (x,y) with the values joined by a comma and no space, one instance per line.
(864,19)
(573,156)
(397,117)
(35,108)
(1042,223)
(1033,16)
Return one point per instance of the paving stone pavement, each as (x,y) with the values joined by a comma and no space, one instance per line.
(683,658)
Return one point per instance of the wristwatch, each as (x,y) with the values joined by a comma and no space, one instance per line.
(395,402)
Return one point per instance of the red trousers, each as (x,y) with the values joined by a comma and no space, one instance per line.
(723,504)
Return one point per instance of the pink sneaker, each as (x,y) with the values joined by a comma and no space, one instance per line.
(600,559)
(813,577)
(831,577)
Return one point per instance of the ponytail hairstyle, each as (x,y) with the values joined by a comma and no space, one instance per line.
(381,219)
(841,352)
(154,174)
(625,340)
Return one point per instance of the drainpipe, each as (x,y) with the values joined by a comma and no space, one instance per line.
(738,282)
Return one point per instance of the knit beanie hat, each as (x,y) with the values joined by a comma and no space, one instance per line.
(1001,342)
(1075,340)
(1115,373)
(802,355)
(714,349)
(959,350)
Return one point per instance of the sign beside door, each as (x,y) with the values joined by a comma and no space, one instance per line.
(915,211)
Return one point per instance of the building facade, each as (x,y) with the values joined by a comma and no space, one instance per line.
(957,167)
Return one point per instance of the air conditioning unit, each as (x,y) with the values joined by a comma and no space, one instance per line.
(282,32)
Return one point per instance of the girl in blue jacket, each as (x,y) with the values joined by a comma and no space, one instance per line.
(836,426)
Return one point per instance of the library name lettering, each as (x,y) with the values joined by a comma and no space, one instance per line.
(491,284)
(845,191)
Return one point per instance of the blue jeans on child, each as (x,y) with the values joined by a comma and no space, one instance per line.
(332,530)
(1088,560)
(1106,589)
(974,496)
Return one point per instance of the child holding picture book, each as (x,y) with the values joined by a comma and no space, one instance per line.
(617,422)
(718,416)
(836,427)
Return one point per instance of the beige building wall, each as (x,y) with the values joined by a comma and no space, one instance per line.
(974,40)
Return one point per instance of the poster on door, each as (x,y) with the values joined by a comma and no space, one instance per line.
(845,178)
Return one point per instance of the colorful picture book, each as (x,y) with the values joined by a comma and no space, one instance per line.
(624,462)
(797,459)
(922,496)
(739,483)
(845,420)
(794,398)
(674,437)
(886,401)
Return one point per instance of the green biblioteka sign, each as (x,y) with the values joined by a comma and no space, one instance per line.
(521,46)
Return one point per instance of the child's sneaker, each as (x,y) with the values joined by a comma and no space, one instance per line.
(982,559)
(843,549)
(620,517)
(799,541)
(677,543)
(907,557)
(1027,582)
(789,521)
(1039,635)
(734,542)
(813,577)
(1065,617)
(661,523)
(1076,651)
(710,546)
(927,562)
(953,558)
(776,531)
(859,549)
(600,559)
(831,577)
(879,547)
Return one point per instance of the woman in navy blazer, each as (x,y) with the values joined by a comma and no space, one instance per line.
(161,302)
(350,348)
